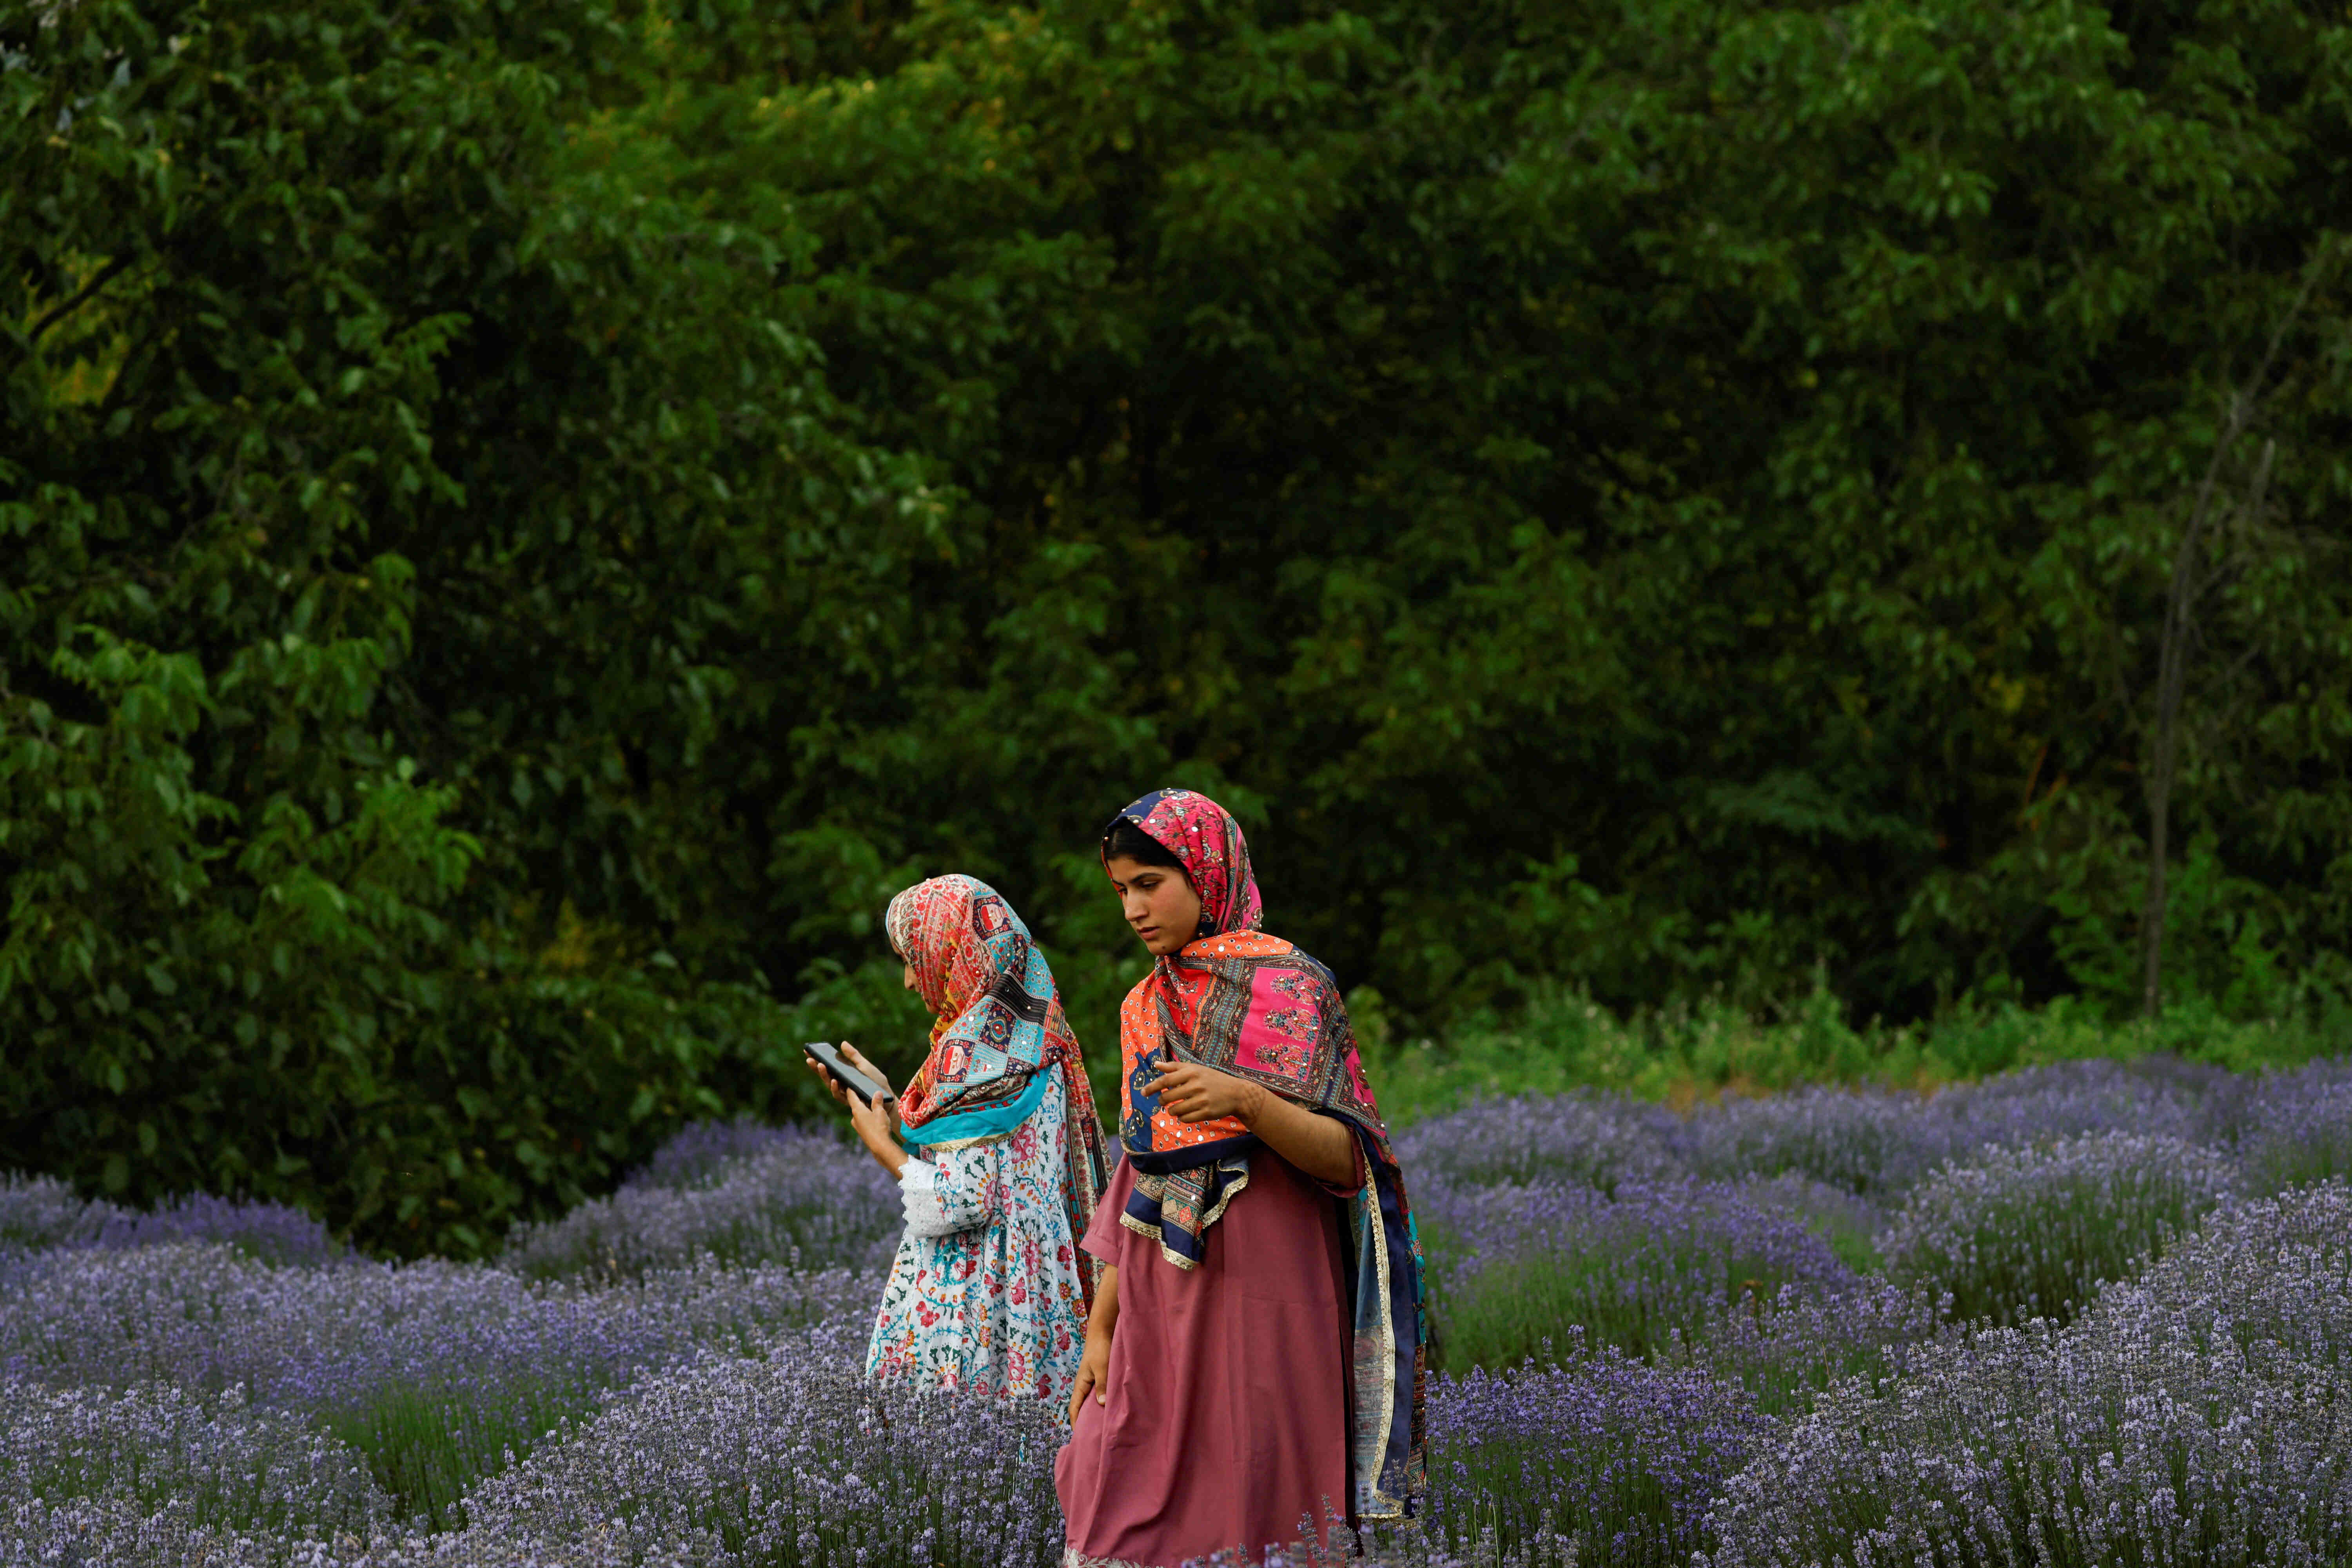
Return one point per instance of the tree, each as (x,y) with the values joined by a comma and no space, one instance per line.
(526,525)
(2194,575)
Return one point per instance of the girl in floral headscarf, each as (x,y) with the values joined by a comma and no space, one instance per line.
(989,1292)
(1256,1351)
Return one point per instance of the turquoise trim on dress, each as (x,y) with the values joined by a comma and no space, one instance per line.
(974,1125)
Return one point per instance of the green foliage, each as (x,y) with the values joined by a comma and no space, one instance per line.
(262,936)
(521,526)
(1561,1040)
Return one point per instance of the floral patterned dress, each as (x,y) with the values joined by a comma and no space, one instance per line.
(984,1293)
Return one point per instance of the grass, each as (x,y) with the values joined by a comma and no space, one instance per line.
(1561,1041)
(427,1447)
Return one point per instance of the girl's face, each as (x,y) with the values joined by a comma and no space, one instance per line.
(1158,902)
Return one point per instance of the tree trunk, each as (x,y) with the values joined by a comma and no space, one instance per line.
(2172,674)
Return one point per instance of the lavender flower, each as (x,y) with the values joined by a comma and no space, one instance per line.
(1849,1222)
(701,1153)
(211,1384)
(1579,1140)
(2298,1128)
(216,1466)
(41,1210)
(2019,1233)
(1882,1142)
(1865,1141)
(1789,1348)
(270,1233)
(805,1198)
(113,1532)
(792,1460)
(2157,1094)
(432,1371)
(2191,1418)
(1336,1546)
(1656,1265)
(1616,1456)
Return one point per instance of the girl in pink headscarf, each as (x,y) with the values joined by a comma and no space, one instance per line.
(1256,1353)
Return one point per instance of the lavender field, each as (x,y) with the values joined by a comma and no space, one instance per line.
(2094,1314)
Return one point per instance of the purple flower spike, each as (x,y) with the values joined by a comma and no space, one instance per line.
(2192,1417)
(737,1193)
(2019,1233)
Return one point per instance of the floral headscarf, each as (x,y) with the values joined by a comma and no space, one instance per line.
(1000,1031)
(1250,1005)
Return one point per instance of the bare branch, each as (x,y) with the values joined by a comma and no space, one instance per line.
(106,274)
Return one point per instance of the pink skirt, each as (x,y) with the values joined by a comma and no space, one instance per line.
(1226,1421)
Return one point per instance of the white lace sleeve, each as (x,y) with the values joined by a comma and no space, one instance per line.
(919,1188)
(954,1191)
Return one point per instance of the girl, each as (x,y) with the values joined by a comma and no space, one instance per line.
(988,1292)
(1255,1354)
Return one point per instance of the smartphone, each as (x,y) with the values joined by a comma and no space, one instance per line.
(823,1053)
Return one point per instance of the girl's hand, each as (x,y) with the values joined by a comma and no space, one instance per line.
(876,1124)
(1093,1372)
(857,1059)
(831,1084)
(1190,1093)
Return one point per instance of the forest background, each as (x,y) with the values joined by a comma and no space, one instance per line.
(521,524)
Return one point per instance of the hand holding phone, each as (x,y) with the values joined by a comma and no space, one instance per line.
(835,1067)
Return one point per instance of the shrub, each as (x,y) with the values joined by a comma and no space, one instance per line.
(1655,1265)
(146,1449)
(1849,1222)
(701,1153)
(810,1198)
(2161,1094)
(41,1210)
(266,1232)
(1881,1142)
(2018,1233)
(432,1371)
(2188,1418)
(2298,1128)
(1860,1141)
(1585,1139)
(1786,1348)
(791,1460)
(1597,1453)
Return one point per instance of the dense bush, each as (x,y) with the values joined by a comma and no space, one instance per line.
(740,1200)
(158,1450)
(1592,1459)
(2298,1128)
(792,1460)
(1712,1377)
(432,1372)
(2186,1419)
(1579,1140)
(1520,1266)
(2016,1233)
(525,523)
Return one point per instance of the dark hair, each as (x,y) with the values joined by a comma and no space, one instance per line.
(1125,839)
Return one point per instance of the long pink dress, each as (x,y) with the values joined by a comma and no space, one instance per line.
(1227,1419)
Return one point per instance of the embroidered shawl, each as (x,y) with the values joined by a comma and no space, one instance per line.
(1252,1004)
(1000,1030)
